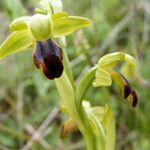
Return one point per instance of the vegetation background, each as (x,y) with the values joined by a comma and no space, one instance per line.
(29,102)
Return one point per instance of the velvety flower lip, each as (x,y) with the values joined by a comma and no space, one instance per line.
(129,91)
(135,98)
(48,56)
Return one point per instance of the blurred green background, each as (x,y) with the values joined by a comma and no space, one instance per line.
(29,102)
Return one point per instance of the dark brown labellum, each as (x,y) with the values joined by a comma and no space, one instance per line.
(129,91)
(135,98)
(48,55)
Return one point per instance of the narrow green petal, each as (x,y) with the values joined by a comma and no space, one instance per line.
(128,70)
(43,7)
(102,78)
(49,6)
(18,41)
(66,25)
(59,15)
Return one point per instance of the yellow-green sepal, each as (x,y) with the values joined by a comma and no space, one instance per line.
(109,61)
(129,68)
(66,25)
(17,41)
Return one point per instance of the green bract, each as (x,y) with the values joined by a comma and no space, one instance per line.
(103,124)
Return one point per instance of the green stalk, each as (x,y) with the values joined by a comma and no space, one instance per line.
(77,113)
(72,99)
(67,95)
(90,141)
(68,68)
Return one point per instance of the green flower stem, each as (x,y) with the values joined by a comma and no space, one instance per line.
(68,97)
(72,98)
(81,90)
(65,86)
(68,68)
